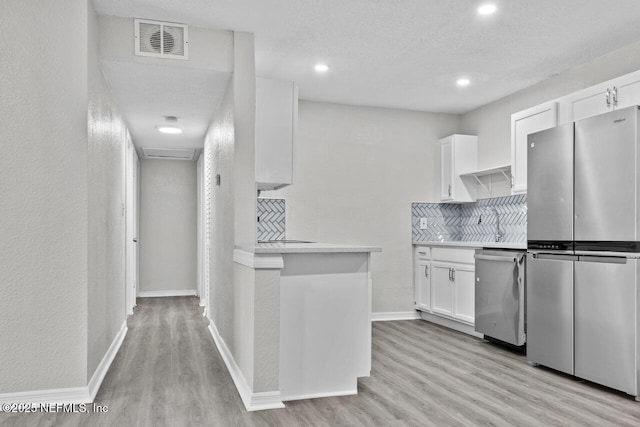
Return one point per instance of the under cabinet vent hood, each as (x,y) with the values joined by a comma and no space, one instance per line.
(168,153)
(161,39)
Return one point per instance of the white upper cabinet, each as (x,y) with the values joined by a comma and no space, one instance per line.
(276,129)
(620,92)
(458,154)
(523,123)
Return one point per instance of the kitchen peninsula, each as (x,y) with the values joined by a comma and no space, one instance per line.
(312,306)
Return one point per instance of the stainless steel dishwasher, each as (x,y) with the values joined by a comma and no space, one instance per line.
(500,295)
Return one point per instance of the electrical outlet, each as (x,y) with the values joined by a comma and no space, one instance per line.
(423,223)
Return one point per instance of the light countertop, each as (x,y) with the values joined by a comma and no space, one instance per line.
(291,248)
(496,245)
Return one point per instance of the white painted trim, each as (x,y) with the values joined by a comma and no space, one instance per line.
(321,395)
(252,401)
(451,324)
(258,261)
(172,293)
(105,363)
(395,315)
(84,394)
(53,396)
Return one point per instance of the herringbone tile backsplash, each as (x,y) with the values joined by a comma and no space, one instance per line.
(271,219)
(472,221)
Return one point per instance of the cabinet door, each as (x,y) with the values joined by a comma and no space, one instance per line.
(441,289)
(446,169)
(423,285)
(464,293)
(275,133)
(523,123)
(627,90)
(590,102)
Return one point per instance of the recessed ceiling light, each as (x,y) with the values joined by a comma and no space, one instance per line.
(321,68)
(463,82)
(169,129)
(487,9)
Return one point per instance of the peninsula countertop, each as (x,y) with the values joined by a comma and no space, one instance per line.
(303,247)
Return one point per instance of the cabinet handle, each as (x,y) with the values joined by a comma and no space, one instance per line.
(453,274)
(608,97)
(426,271)
(449,189)
(450,274)
(614,95)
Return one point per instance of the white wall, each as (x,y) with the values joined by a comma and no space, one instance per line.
(168,215)
(492,122)
(241,308)
(357,170)
(107,135)
(43,182)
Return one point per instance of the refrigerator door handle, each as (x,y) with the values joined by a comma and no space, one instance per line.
(555,257)
(602,259)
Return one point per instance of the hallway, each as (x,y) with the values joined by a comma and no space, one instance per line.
(169,373)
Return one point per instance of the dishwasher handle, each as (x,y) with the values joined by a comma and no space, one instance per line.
(483,257)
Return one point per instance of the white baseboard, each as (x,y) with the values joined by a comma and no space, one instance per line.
(451,324)
(84,394)
(252,401)
(171,293)
(105,363)
(320,395)
(53,396)
(394,315)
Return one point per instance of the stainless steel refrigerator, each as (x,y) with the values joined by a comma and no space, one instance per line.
(583,247)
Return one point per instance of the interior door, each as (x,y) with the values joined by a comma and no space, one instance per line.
(131,234)
(605,325)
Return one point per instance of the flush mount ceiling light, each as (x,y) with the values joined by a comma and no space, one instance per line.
(169,129)
(463,82)
(487,9)
(321,68)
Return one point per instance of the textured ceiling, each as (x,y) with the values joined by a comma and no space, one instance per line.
(148,93)
(409,53)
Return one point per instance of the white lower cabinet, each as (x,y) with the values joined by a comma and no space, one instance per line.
(422,278)
(464,303)
(448,277)
(442,289)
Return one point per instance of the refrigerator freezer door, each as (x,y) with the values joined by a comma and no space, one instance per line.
(550,184)
(605,322)
(499,295)
(550,311)
(605,177)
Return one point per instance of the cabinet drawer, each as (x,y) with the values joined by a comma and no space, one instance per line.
(464,256)
(422,252)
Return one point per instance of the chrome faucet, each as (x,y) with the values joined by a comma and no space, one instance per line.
(498,235)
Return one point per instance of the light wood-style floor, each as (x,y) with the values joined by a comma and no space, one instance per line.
(168,373)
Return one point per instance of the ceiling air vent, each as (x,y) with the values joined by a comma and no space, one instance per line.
(161,39)
(168,153)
